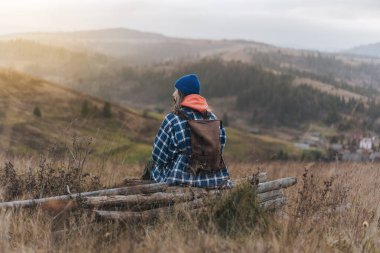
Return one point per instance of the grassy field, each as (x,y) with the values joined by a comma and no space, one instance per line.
(244,147)
(333,208)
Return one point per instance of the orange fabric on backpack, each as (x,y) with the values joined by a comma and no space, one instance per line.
(196,102)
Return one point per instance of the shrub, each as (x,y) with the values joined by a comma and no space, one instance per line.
(85,109)
(318,196)
(280,155)
(236,213)
(312,155)
(107,110)
(50,178)
(37,112)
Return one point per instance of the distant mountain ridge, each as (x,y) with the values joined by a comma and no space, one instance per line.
(371,50)
(124,41)
(101,34)
(134,46)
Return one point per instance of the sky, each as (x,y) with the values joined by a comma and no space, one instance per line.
(328,25)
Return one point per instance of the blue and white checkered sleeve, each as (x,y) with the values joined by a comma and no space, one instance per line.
(162,153)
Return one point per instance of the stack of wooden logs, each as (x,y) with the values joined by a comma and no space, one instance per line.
(144,200)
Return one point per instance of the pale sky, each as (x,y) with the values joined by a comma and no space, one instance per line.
(322,24)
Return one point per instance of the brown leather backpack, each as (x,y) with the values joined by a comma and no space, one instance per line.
(206,150)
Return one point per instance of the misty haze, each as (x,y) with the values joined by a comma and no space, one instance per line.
(192,126)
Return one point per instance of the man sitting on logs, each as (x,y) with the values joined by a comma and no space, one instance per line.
(188,148)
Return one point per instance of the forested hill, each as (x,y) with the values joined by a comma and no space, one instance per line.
(252,82)
(263,97)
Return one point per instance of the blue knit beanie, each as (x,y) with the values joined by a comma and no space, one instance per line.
(188,84)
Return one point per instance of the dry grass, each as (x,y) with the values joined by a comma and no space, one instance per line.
(334,207)
(329,89)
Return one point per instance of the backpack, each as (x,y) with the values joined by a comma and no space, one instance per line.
(206,150)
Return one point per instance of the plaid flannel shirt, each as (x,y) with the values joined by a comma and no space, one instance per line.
(171,144)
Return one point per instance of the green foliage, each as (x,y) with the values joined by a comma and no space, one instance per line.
(236,213)
(333,117)
(280,103)
(107,113)
(374,110)
(85,108)
(344,126)
(280,155)
(37,112)
(312,155)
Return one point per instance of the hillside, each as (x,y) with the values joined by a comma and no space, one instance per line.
(126,134)
(372,50)
(125,137)
(249,95)
(330,89)
(331,68)
(52,62)
(143,48)
(136,48)
(234,72)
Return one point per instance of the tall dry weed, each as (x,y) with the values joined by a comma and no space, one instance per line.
(333,208)
(52,176)
(320,195)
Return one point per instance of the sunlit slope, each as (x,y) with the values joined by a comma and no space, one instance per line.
(51,62)
(126,133)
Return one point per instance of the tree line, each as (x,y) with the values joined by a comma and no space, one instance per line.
(270,98)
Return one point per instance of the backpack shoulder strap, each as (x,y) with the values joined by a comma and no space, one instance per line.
(206,115)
